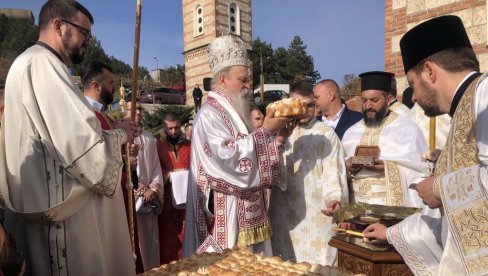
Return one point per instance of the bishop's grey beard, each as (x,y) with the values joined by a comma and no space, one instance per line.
(241,104)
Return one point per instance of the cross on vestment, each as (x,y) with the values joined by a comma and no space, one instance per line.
(304,231)
(318,220)
(318,244)
(245,165)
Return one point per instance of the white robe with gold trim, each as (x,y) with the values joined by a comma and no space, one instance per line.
(54,145)
(401,144)
(313,173)
(425,240)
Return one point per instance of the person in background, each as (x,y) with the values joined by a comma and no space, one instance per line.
(197,97)
(399,145)
(335,113)
(188,131)
(257,117)
(99,88)
(174,155)
(313,174)
(148,195)
(394,104)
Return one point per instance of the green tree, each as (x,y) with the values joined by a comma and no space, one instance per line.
(299,63)
(282,65)
(16,35)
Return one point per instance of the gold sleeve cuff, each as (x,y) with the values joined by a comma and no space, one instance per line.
(437,188)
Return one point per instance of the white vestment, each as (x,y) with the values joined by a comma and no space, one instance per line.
(454,243)
(399,108)
(401,146)
(313,173)
(442,125)
(54,146)
(150,177)
(237,166)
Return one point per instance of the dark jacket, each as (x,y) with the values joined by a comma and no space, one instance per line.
(348,118)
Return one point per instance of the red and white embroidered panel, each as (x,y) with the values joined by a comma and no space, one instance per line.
(213,102)
(220,226)
(203,223)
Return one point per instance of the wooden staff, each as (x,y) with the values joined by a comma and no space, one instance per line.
(432,134)
(134,97)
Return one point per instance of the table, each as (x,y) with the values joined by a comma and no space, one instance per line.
(358,257)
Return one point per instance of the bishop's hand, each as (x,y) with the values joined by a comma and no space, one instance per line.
(274,124)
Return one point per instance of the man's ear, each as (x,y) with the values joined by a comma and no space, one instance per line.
(221,78)
(430,71)
(57,23)
(389,98)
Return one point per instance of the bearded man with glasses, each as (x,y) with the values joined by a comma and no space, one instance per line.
(59,171)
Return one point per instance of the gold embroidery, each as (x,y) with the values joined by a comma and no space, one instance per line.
(364,191)
(395,236)
(472,225)
(468,218)
(394,194)
(460,150)
(371,135)
(395,188)
(478,265)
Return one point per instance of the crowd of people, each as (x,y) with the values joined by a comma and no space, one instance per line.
(79,201)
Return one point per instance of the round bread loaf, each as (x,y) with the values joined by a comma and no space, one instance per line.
(288,107)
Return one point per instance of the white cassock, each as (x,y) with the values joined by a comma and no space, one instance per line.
(60,165)
(453,240)
(237,166)
(442,125)
(401,146)
(313,173)
(150,177)
(399,108)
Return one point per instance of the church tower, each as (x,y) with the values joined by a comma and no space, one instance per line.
(203,21)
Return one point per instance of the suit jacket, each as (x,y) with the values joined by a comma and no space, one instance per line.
(348,118)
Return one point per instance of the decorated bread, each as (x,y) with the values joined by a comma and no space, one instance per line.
(288,107)
(240,261)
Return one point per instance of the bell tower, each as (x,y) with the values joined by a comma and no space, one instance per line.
(203,21)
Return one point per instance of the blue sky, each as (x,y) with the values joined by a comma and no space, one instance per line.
(343,36)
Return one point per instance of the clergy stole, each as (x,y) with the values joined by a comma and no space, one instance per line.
(389,185)
(464,199)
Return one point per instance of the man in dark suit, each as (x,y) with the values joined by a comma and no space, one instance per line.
(335,113)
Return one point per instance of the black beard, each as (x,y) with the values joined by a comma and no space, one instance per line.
(76,58)
(74,54)
(106,96)
(377,119)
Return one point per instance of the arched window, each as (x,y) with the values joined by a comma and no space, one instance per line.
(198,20)
(234,19)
